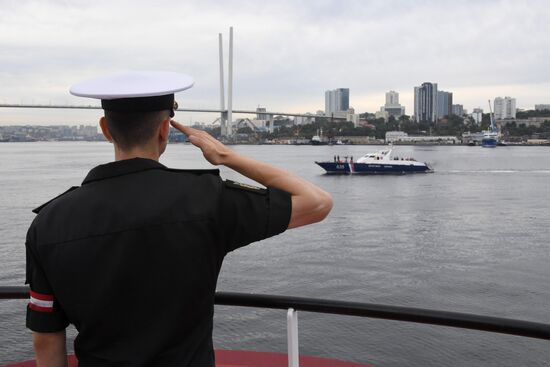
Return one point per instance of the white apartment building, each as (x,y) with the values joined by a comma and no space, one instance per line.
(392,98)
(477,115)
(505,108)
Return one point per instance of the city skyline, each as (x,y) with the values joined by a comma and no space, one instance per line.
(438,110)
(284,59)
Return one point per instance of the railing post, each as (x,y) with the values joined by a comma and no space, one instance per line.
(292,338)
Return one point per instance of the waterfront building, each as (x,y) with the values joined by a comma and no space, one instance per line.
(458,110)
(425,102)
(400,137)
(86,131)
(444,103)
(542,107)
(528,122)
(337,100)
(53,132)
(504,108)
(392,136)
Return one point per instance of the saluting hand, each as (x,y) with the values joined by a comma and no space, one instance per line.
(215,152)
(310,203)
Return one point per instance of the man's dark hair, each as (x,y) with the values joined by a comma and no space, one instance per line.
(131,129)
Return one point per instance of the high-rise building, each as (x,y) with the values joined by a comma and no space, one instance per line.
(330,102)
(260,113)
(477,115)
(425,102)
(542,107)
(458,110)
(444,103)
(392,106)
(505,108)
(336,100)
(392,98)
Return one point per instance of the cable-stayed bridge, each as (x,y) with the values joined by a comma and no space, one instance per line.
(228,126)
(205,110)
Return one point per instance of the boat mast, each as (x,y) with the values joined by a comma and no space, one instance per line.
(493,127)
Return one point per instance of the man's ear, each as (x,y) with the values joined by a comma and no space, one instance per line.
(105,129)
(164,129)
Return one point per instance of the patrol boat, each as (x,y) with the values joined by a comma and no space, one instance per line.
(381,162)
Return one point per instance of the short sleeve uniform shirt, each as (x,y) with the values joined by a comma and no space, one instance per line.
(131,258)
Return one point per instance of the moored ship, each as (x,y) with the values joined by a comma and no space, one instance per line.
(490,137)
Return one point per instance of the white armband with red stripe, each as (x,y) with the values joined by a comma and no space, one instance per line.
(41,302)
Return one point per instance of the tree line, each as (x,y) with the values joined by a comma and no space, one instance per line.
(451,125)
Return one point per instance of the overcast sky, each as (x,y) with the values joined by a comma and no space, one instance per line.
(287,53)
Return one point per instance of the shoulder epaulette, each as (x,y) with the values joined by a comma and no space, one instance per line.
(243,186)
(37,210)
(198,172)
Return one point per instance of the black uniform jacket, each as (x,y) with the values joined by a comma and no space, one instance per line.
(131,258)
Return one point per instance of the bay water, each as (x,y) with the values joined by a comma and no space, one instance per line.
(472,237)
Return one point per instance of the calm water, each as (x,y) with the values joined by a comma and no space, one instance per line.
(472,237)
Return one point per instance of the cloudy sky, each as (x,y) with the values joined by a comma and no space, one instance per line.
(287,53)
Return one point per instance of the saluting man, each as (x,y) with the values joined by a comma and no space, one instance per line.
(132,256)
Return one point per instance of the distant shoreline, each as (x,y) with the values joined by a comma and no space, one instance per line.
(283,144)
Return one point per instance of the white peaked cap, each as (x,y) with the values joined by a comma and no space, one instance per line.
(133,84)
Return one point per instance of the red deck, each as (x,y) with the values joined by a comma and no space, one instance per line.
(239,358)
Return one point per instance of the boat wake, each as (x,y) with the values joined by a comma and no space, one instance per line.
(546,171)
